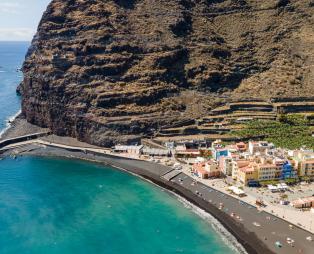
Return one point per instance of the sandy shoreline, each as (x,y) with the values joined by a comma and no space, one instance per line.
(9,123)
(249,236)
(18,126)
(152,172)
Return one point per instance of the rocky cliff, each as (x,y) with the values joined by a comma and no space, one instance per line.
(108,71)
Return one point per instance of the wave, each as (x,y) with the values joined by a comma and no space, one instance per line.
(226,236)
(8,122)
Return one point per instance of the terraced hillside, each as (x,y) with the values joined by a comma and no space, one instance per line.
(116,70)
(223,121)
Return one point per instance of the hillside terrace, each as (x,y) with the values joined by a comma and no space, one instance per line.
(223,119)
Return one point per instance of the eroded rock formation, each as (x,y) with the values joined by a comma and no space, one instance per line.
(108,71)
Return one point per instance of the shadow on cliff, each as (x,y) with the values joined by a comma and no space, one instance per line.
(127,4)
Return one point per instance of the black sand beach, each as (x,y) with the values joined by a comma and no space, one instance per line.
(20,127)
(256,240)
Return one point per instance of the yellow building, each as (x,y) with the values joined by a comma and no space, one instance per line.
(246,174)
(268,171)
(304,161)
(306,168)
(262,170)
(236,166)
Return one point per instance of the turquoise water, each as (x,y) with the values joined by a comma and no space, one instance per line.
(65,206)
(11,58)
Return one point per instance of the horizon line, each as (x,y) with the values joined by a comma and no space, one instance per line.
(15,41)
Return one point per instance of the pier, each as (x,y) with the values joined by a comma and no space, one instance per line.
(172,174)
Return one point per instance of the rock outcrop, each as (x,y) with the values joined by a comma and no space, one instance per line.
(108,71)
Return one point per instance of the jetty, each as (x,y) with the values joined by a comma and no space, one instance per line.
(172,174)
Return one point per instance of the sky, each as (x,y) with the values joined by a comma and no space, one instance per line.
(19,18)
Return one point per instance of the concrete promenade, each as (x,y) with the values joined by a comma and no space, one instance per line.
(256,230)
(289,214)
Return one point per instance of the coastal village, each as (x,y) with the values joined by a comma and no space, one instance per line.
(255,171)
(157,126)
(251,183)
(268,190)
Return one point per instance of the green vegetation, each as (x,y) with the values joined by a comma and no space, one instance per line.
(306,178)
(268,182)
(226,143)
(291,131)
(291,181)
(206,154)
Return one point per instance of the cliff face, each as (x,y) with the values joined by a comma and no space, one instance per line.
(109,71)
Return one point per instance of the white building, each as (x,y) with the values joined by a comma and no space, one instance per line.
(156,152)
(260,147)
(225,165)
(129,149)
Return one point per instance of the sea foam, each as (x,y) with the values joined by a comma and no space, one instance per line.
(226,236)
(8,122)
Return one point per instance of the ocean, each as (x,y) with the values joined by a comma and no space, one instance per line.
(51,205)
(11,58)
